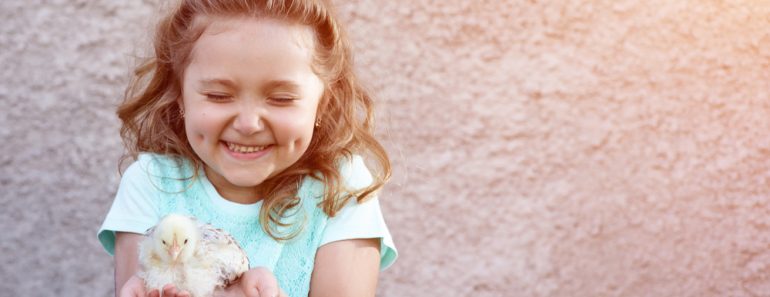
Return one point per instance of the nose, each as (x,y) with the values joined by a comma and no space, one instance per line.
(248,119)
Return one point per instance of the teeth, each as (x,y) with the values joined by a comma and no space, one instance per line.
(244,149)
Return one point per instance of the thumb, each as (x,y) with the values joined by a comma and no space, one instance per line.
(268,290)
(132,292)
(260,282)
(134,287)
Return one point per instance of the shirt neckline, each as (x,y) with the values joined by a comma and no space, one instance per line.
(227,206)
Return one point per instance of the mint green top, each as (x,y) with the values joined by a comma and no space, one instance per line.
(157,185)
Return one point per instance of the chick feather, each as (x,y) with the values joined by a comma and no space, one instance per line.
(194,256)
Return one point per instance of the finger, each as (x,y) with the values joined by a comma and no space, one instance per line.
(132,289)
(139,292)
(269,286)
(183,294)
(268,291)
(250,291)
(130,292)
(169,290)
(248,284)
(154,293)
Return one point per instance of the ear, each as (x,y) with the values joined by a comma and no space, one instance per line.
(323,103)
(180,106)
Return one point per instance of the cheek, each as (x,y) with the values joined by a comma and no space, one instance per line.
(193,132)
(297,133)
(200,126)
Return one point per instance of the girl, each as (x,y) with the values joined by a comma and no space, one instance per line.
(249,117)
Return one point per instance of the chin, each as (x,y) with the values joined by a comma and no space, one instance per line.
(246,181)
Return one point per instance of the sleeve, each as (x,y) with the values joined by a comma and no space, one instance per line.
(134,208)
(364,220)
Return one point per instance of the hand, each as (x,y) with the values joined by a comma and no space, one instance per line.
(134,287)
(256,282)
(169,290)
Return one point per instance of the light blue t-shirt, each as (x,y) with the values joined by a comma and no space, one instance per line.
(157,185)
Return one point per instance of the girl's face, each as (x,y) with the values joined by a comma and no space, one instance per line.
(250,97)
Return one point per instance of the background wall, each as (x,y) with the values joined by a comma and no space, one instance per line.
(541,148)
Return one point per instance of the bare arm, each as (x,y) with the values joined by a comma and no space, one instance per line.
(126,257)
(346,268)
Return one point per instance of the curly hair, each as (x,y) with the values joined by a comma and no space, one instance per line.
(151,120)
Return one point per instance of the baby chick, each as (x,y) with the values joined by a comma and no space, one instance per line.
(193,256)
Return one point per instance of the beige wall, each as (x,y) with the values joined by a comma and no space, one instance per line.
(541,148)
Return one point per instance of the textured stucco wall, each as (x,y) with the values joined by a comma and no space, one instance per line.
(541,148)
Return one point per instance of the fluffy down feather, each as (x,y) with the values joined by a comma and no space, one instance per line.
(193,256)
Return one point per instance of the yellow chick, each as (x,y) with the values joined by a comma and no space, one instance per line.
(193,256)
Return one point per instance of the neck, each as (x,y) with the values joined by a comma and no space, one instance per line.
(238,196)
(232,193)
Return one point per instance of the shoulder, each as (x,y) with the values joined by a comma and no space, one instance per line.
(159,171)
(354,176)
(354,173)
(159,165)
(149,178)
(137,204)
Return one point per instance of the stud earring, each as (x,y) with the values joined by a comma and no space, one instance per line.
(181,112)
(318,123)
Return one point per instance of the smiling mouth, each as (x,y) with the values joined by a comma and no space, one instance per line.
(245,149)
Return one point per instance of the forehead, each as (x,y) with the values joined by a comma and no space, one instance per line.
(251,51)
(258,34)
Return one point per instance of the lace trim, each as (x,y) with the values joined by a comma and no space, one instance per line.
(291,261)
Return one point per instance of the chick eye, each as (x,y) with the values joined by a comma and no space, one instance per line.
(185,241)
(164,242)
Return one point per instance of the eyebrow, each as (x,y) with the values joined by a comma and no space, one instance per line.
(270,85)
(281,84)
(218,81)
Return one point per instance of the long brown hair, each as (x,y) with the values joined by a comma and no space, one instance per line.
(151,120)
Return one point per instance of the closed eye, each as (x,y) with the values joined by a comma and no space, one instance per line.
(283,100)
(217,97)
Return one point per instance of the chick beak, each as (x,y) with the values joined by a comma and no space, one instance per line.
(174,251)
